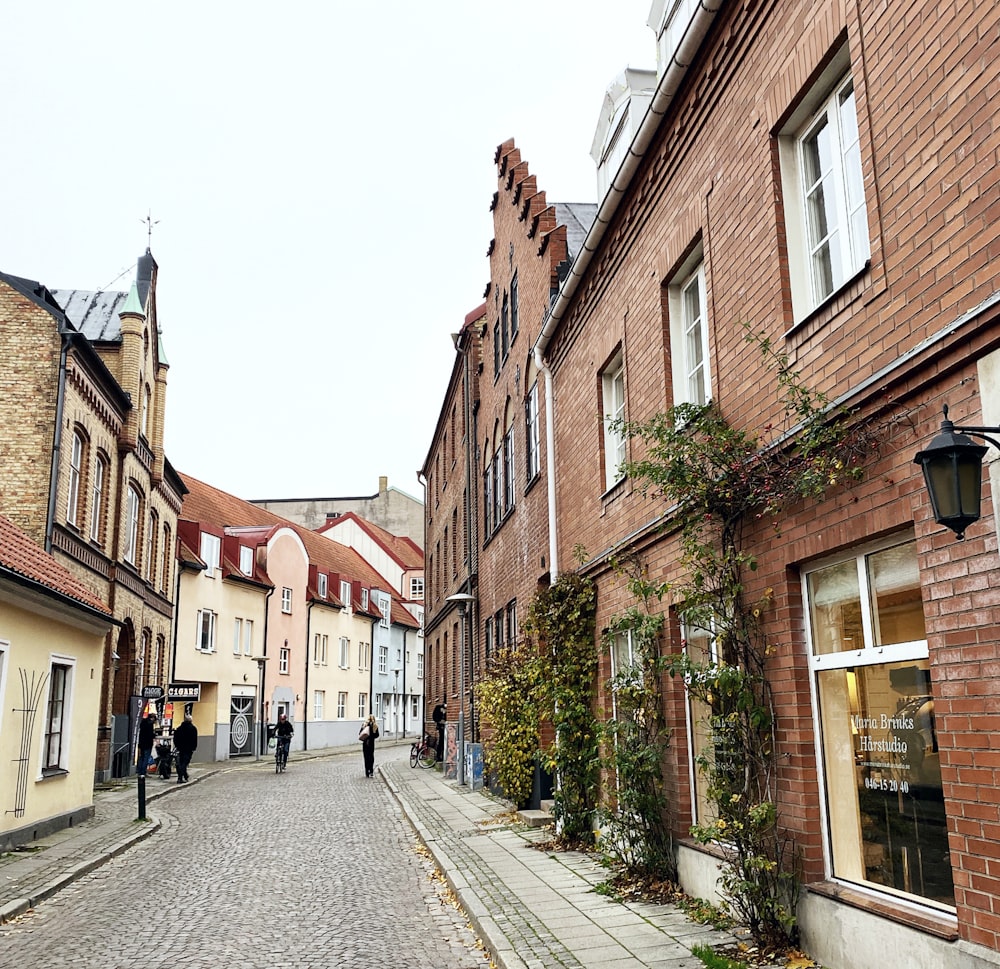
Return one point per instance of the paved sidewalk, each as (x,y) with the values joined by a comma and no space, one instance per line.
(533,909)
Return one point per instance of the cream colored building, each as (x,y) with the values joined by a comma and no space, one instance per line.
(82,412)
(52,633)
(271,619)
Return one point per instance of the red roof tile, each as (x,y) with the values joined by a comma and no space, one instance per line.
(20,555)
(203,503)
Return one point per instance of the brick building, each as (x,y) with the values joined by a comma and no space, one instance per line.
(85,475)
(824,175)
(451,547)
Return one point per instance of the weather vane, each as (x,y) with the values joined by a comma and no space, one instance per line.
(150,222)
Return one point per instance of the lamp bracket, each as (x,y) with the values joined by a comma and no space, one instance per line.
(983,432)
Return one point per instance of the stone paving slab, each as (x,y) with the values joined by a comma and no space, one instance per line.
(533,909)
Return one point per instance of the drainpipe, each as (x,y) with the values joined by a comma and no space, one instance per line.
(305,696)
(263,678)
(50,514)
(697,29)
(403,694)
(550,457)
(371,671)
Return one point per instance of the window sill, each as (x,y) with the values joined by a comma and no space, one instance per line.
(939,924)
(616,490)
(847,292)
(50,772)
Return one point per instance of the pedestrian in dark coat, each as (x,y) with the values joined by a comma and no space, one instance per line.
(367,735)
(147,735)
(440,716)
(186,742)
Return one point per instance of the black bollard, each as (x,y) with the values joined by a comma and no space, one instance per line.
(142,797)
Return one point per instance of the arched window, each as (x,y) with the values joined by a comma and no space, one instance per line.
(98,501)
(168,557)
(151,558)
(133,524)
(77,459)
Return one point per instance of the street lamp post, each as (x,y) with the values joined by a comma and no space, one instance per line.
(462,600)
(953,472)
(395,702)
(261,726)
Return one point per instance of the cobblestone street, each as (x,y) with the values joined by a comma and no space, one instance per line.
(313,868)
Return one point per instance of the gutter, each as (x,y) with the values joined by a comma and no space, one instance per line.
(305,695)
(701,22)
(57,440)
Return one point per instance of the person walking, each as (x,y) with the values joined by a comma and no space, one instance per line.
(186,742)
(367,735)
(144,744)
(440,716)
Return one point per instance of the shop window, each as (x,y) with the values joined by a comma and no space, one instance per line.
(879,749)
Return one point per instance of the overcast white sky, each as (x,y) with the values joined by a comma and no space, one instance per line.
(321,174)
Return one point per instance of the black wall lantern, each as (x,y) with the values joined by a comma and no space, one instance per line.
(953,472)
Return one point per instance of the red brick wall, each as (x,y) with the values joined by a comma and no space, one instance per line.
(895,342)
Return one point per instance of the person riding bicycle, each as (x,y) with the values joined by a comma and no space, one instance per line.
(283,733)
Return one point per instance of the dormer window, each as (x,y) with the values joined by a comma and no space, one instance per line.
(246,560)
(322,584)
(364,598)
(211,547)
(345,594)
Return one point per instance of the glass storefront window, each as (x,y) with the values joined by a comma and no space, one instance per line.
(885,806)
(700,647)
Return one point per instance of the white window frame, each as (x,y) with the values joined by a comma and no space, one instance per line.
(75,476)
(345,653)
(97,498)
(383,659)
(133,505)
(246,560)
(532,450)
(248,637)
(345,594)
(205,631)
(341,704)
(613,393)
(319,701)
(691,372)
(322,580)
(416,587)
(364,598)
(843,247)
(508,468)
(283,657)
(420,666)
(237,636)
(870,653)
(211,553)
(286,600)
(67,666)
(384,607)
(362,705)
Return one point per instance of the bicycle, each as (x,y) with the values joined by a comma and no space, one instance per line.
(281,754)
(423,752)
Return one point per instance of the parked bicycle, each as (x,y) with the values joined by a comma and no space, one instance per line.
(281,745)
(423,752)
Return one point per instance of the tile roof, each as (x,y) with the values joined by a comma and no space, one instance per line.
(20,556)
(402,548)
(203,503)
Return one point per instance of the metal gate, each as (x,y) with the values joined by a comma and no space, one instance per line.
(241,726)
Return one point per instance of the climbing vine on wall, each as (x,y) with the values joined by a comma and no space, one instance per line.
(718,480)
(562,623)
